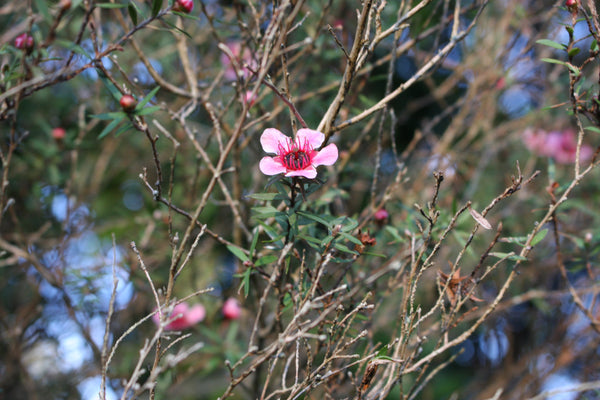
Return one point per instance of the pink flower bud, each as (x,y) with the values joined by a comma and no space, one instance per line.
(59,133)
(381,215)
(185,6)
(24,42)
(182,317)
(128,102)
(231,309)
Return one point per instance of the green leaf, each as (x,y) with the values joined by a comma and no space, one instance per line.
(574,51)
(175,27)
(73,47)
(539,237)
(132,13)
(594,46)
(245,280)
(123,129)
(263,196)
(551,43)
(238,252)
(593,129)
(351,238)
(254,241)
(156,6)
(264,260)
(554,61)
(109,116)
(111,5)
(108,129)
(147,110)
(344,249)
(147,98)
(508,256)
(314,217)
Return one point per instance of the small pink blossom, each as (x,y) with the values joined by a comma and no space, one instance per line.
(182,317)
(232,309)
(249,98)
(24,41)
(242,56)
(560,145)
(297,157)
(185,6)
(59,133)
(381,214)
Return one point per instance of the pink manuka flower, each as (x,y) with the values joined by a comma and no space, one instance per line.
(231,309)
(295,157)
(24,41)
(560,145)
(381,215)
(242,56)
(182,317)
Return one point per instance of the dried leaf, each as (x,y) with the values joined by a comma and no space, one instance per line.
(480,219)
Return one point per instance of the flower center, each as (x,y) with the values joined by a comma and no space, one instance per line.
(296,157)
(296,160)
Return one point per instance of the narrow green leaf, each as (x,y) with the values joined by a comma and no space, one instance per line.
(574,51)
(554,61)
(351,238)
(344,249)
(508,256)
(147,110)
(266,260)
(111,5)
(123,129)
(110,127)
(254,241)
(539,237)
(238,252)
(551,43)
(594,46)
(175,27)
(593,129)
(147,98)
(314,217)
(156,6)
(132,13)
(109,116)
(263,196)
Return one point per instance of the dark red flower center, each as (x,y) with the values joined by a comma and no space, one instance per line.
(296,156)
(296,160)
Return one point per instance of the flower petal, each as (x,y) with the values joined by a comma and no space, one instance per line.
(270,140)
(309,172)
(269,166)
(327,156)
(315,138)
(195,314)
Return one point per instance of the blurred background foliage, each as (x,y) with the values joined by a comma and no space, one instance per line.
(75,203)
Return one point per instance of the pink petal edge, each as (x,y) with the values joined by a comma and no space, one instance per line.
(327,156)
(315,138)
(309,172)
(270,140)
(196,314)
(269,166)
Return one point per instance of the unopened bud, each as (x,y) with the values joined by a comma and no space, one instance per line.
(128,103)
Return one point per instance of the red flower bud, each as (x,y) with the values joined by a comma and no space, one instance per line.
(232,309)
(24,42)
(59,133)
(65,4)
(185,6)
(128,102)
